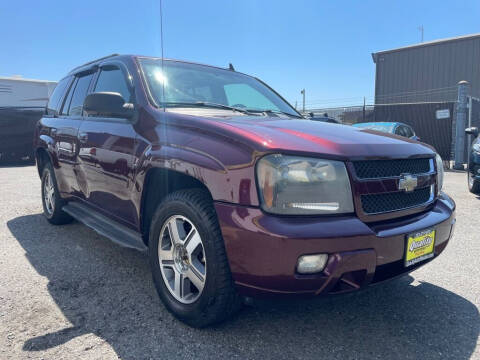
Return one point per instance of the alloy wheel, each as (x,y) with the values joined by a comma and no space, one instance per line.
(182,259)
(49,194)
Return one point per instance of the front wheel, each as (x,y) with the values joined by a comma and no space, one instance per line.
(188,260)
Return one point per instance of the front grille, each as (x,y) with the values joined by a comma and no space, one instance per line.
(389,168)
(379,203)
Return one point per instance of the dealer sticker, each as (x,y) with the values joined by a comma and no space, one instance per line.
(420,246)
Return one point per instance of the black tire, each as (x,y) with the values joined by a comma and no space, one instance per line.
(54,214)
(218,299)
(473,185)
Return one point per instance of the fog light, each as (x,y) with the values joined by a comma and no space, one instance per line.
(309,264)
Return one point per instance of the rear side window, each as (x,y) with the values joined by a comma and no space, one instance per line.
(112,79)
(54,103)
(74,104)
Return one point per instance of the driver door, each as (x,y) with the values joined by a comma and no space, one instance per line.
(107,148)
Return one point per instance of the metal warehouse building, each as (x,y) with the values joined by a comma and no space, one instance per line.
(427,72)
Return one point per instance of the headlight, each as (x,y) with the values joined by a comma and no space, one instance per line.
(440,172)
(292,185)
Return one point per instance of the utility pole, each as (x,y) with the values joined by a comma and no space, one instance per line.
(364,109)
(420,28)
(303,93)
(460,122)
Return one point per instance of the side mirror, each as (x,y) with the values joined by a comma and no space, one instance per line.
(107,104)
(472,131)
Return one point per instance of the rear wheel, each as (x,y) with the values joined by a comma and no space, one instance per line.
(51,200)
(189,264)
(473,185)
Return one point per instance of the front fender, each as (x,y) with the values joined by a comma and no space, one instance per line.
(233,184)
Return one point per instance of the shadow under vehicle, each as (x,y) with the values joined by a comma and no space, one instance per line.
(105,290)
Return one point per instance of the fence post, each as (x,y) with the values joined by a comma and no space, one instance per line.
(460,122)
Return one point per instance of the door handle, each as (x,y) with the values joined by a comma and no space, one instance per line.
(83,137)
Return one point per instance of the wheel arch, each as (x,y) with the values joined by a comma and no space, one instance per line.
(42,157)
(152,195)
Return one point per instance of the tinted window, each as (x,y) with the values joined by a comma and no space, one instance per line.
(113,80)
(81,88)
(68,98)
(54,104)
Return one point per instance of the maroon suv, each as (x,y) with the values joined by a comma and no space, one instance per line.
(229,189)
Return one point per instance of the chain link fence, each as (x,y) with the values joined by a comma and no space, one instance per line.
(433,121)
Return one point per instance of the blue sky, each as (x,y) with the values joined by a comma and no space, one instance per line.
(322,46)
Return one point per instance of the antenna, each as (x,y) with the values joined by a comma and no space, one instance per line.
(161,47)
(420,28)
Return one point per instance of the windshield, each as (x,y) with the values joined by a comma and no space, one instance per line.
(387,128)
(192,84)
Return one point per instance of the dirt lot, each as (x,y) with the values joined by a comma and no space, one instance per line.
(68,293)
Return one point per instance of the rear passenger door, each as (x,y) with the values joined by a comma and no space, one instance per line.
(106,150)
(65,133)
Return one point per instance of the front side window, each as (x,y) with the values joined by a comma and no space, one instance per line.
(182,84)
(75,107)
(401,130)
(112,79)
(409,131)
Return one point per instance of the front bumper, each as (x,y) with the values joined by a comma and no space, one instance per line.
(263,249)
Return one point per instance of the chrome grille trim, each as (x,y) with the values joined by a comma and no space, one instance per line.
(355,164)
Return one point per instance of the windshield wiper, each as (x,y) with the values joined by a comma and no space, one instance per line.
(270,111)
(209,105)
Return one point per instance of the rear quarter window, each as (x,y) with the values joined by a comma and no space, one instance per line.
(74,104)
(54,103)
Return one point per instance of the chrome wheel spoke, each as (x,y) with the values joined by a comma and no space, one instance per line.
(192,242)
(195,278)
(178,286)
(173,231)
(166,256)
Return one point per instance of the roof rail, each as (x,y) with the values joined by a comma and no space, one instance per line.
(94,61)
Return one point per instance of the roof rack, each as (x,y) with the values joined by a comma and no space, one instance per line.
(94,61)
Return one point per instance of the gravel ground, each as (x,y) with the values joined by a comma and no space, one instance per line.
(68,293)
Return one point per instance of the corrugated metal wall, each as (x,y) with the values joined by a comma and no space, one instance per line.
(422,117)
(427,72)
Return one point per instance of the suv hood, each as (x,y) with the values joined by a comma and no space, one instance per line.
(333,140)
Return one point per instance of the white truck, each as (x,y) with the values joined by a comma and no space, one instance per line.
(22,103)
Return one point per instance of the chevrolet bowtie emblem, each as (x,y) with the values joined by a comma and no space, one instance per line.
(407,182)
